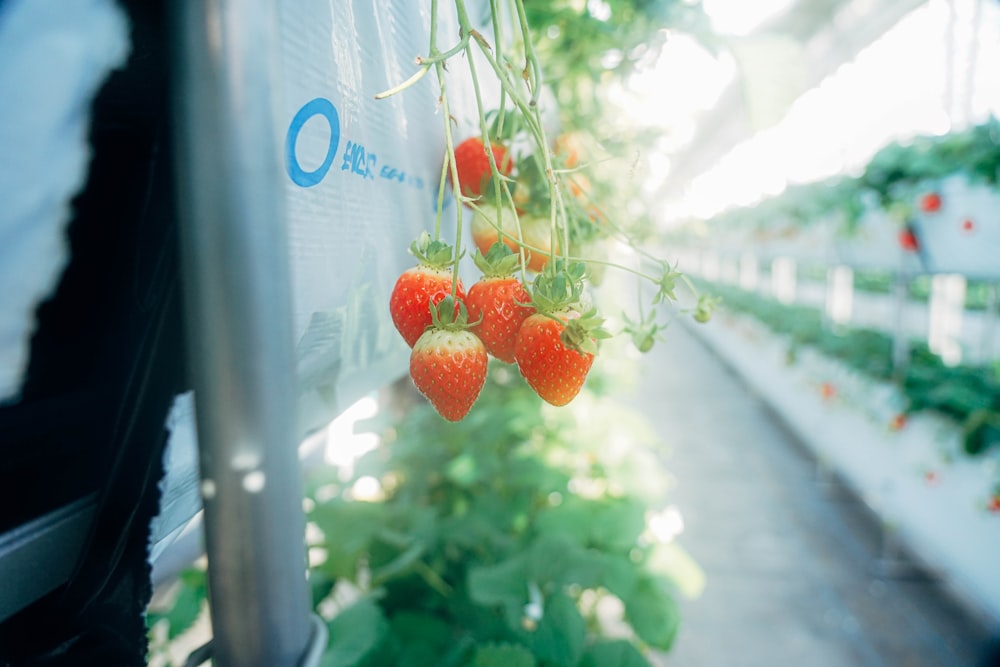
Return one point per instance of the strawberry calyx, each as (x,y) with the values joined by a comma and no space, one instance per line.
(498,262)
(666,284)
(433,252)
(557,293)
(450,314)
(559,287)
(705,307)
(583,332)
(645,332)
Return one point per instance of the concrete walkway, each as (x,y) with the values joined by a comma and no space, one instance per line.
(793,562)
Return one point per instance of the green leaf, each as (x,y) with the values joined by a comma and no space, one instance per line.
(614,653)
(188,603)
(504,584)
(424,639)
(570,519)
(503,655)
(354,633)
(320,585)
(350,527)
(401,564)
(618,523)
(463,470)
(560,635)
(652,611)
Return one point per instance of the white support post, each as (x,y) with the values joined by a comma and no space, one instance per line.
(783,282)
(947,305)
(840,294)
(749,274)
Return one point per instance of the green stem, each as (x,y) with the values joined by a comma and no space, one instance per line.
(440,200)
(534,70)
(441,57)
(498,45)
(450,148)
(433,579)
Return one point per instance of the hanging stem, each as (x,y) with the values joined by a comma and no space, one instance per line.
(450,148)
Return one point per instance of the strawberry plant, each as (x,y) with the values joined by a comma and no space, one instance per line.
(489,553)
(497,540)
(969,395)
(529,192)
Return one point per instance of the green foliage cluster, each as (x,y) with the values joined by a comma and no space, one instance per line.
(891,179)
(583,44)
(494,542)
(491,533)
(898,167)
(970,395)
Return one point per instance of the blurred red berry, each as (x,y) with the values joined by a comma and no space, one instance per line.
(930,202)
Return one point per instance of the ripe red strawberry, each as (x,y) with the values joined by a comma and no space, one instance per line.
(556,372)
(555,347)
(968,226)
(930,202)
(421,286)
(473,165)
(494,302)
(448,363)
(908,240)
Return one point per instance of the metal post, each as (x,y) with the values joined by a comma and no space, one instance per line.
(900,335)
(987,341)
(240,329)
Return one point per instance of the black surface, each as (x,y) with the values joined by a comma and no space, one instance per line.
(106,361)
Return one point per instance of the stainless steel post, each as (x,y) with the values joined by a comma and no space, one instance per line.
(239,308)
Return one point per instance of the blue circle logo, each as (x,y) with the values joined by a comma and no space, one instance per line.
(317,107)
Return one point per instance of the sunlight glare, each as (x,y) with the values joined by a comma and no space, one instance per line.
(343,446)
(739,17)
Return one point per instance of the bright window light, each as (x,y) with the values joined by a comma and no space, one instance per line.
(739,17)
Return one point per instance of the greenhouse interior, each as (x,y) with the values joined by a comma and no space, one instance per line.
(500,333)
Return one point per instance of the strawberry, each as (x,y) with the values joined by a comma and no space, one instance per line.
(898,422)
(473,165)
(555,347)
(930,202)
(908,240)
(968,226)
(495,302)
(568,148)
(448,362)
(422,286)
(535,232)
(993,504)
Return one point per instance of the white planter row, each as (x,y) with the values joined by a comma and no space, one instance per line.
(961,236)
(925,491)
(956,334)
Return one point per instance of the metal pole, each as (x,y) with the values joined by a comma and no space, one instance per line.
(238,300)
(900,335)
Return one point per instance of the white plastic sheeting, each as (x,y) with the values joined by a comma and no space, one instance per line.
(55,55)
(361,182)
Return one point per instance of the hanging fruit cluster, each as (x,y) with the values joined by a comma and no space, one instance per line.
(532,214)
(547,332)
